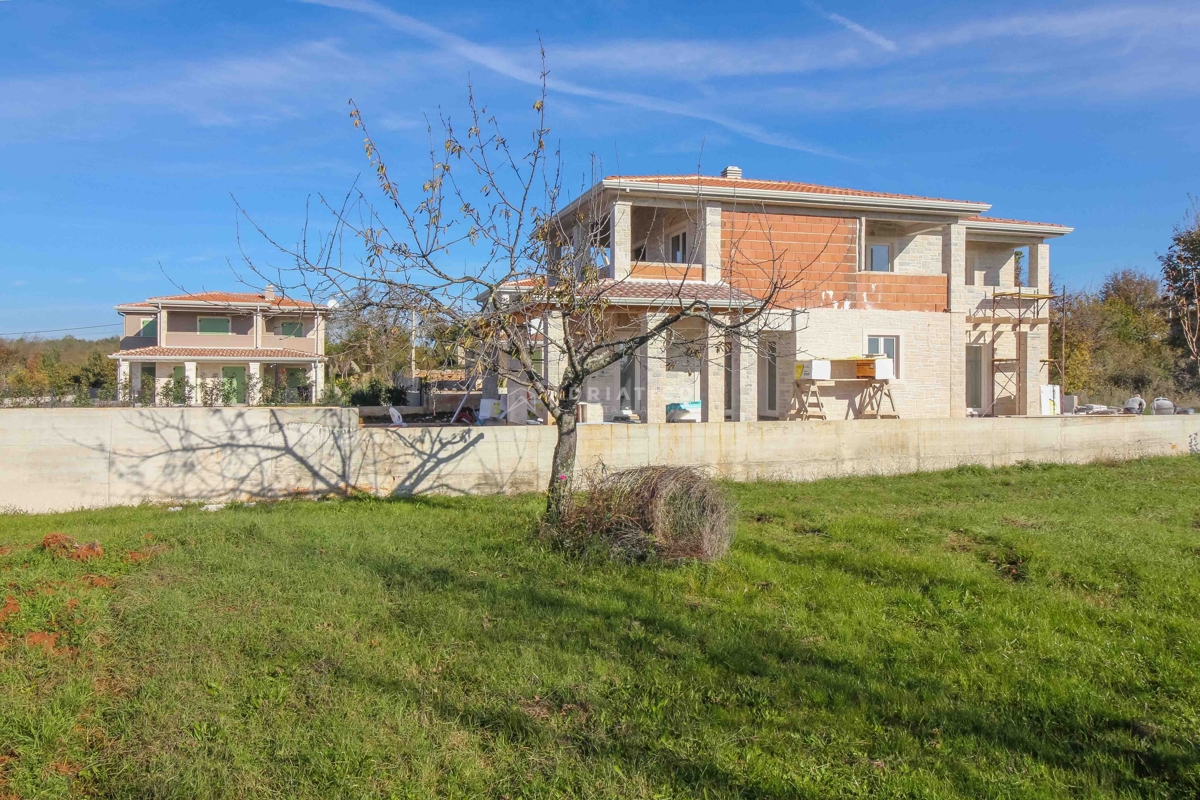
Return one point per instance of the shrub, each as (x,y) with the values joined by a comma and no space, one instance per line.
(664,513)
(377,393)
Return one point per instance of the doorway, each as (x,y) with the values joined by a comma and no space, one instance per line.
(238,376)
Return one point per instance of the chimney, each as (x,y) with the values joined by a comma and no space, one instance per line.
(269,292)
(732,172)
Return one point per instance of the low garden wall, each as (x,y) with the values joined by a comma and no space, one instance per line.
(58,459)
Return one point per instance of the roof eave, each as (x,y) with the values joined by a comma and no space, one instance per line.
(1035,230)
(129,355)
(782,197)
(150,305)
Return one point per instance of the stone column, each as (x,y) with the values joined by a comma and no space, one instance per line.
(123,377)
(954,266)
(621,238)
(162,371)
(785,370)
(189,374)
(1038,272)
(553,354)
(253,383)
(745,378)
(712,377)
(710,234)
(135,379)
(161,328)
(653,374)
(1032,369)
(314,381)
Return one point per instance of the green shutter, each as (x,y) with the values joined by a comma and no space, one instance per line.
(149,328)
(212,325)
(292,329)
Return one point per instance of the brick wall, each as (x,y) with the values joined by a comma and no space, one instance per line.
(818,258)
(818,254)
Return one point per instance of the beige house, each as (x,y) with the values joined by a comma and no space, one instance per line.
(928,284)
(246,338)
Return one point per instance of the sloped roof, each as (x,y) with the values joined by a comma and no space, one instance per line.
(224,299)
(1004,221)
(705,181)
(642,292)
(232,353)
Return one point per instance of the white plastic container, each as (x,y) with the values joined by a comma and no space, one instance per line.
(815,369)
(885,369)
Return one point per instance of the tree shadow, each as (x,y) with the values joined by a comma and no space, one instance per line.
(222,454)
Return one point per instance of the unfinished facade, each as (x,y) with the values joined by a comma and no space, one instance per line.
(956,301)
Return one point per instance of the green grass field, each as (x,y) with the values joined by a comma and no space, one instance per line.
(1027,632)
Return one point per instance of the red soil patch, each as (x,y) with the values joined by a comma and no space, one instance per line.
(135,557)
(73,602)
(10,608)
(46,641)
(96,581)
(5,638)
(59,544)
(5,549)
(86,552)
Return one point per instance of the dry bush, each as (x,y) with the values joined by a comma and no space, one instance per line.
(666,513)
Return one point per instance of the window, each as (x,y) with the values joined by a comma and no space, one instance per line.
(881,258)
(639,253)
(291,329)
(974,376)
(772,375)
(212,325)
(679,252)
(149,328)
(886,346)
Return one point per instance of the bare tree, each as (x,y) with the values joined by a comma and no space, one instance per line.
(1181,279)
(525,280)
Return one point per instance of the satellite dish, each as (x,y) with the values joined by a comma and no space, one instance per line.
(332,303)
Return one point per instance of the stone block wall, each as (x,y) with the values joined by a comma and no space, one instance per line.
(63,459)
(922,388)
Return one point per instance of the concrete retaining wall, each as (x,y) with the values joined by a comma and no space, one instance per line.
(57,459)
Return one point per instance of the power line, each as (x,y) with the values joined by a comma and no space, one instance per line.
(61,330)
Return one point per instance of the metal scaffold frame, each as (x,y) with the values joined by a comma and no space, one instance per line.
(1018,320)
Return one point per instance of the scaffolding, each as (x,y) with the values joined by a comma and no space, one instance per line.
(1018,310)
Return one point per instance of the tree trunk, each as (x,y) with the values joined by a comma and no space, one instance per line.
(558,495)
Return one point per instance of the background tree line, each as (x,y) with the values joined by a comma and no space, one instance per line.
(1138,331)
(58,367)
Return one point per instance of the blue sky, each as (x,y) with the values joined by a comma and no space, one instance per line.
(126,126)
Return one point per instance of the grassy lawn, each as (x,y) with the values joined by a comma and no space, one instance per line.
(1028,632)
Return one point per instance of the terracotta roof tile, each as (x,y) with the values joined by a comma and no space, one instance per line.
(721,293)
(648,292)
(239,353)
(1004,221)
(225,298)
(778,186)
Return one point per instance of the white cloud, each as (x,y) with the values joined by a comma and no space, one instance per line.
(871,36)
(502,62)
(763,89)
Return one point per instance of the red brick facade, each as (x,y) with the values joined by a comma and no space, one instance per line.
(817,257)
